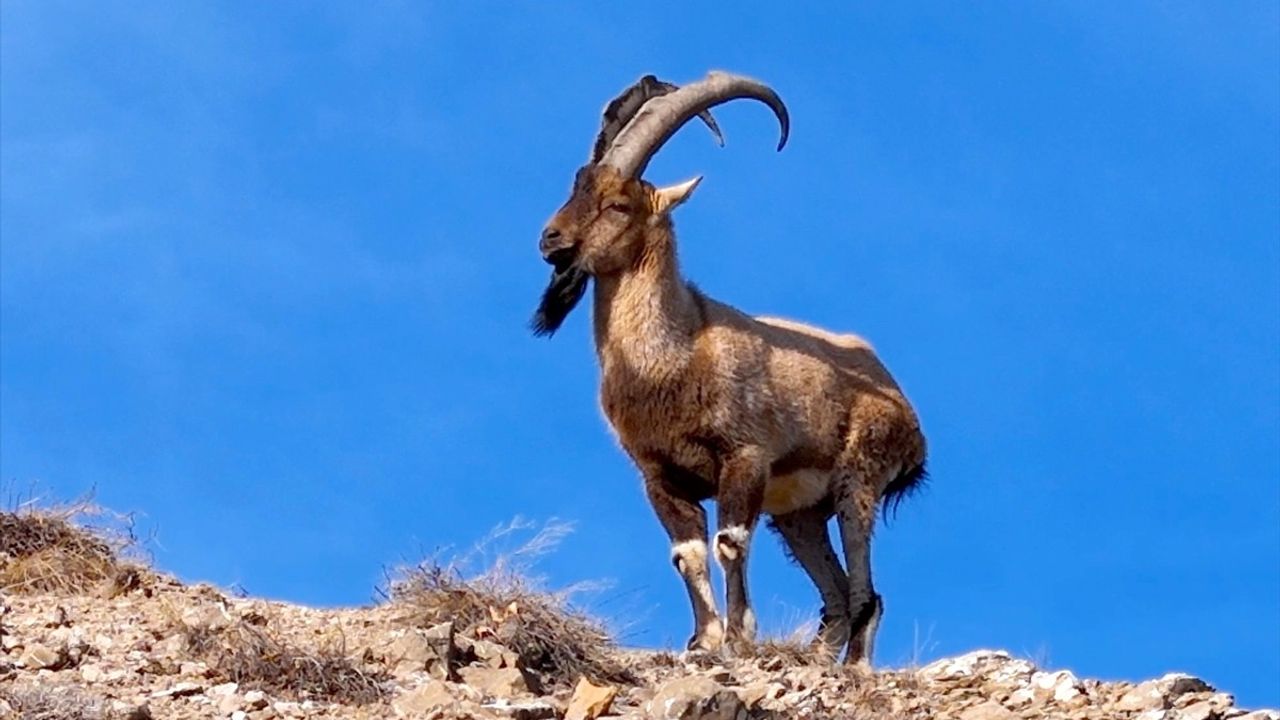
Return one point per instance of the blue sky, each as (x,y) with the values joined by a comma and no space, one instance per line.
(266,271)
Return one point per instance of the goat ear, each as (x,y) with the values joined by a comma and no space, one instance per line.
(665,199)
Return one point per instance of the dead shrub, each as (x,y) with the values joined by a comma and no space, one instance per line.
(793,647)
(555,642)
(255,657)
(65,550)
(775,653)
(51,703)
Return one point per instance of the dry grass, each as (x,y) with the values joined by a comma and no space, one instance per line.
(794,647)
(65,550)
(49,703)
(255,657)
(555,642)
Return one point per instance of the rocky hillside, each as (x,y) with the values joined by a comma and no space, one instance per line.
(84,634)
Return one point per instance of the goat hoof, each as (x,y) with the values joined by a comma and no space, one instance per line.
(738,648)
(708,638)
(703,644)
(831,639)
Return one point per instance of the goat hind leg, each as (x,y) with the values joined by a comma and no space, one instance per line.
(685,521)
(805,534)
(857,495)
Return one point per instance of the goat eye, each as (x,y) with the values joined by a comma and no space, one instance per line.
(621,207)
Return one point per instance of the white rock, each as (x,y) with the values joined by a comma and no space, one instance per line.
(1061,685)
(1021,696)
(1144,696)
(229,703)
(224,689)
(181,689)
(695,698)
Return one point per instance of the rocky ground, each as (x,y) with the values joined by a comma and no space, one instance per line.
(86,635)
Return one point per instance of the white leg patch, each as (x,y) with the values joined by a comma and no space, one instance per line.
(689,555)
(690,558)
(749,624)
(730,542)
(869,632)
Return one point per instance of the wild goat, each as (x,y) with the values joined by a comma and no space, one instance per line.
(760,414)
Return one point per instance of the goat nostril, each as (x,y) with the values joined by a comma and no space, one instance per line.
(555,249)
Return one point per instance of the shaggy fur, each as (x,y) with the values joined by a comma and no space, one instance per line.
(763,415)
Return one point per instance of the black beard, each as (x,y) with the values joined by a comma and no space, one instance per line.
(563,292)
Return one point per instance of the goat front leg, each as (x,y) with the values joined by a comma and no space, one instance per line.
(685,521)
(741,492)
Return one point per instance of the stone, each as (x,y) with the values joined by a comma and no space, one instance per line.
(1175,684)
(1021,696)
(228,688)
(526,710)
(495,682)
(590,701)
(966,665)
(229,703)
(1202,710)
(431,650)
(182,689)
(423,699)
(753,696)
(1144,696)
(1161,694)
(1060,686)
(212,617)
(255,699)
(39,657)
(989,710)
(493,654)
(695,698)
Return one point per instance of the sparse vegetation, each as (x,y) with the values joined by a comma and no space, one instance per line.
(58,550)
(554,641)
(255,657)
(60,703)
(179,650)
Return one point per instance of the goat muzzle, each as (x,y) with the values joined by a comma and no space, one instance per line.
(557,249)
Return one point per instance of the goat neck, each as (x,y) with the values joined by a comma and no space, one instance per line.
(645,315)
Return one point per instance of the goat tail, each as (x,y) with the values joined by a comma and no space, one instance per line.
(906,484)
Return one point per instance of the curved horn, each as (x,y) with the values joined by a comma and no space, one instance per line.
(660,118)
(624,107)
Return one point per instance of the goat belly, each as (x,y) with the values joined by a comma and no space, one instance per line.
(795,490)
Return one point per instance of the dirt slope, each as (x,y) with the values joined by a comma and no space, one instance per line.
(108,639)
